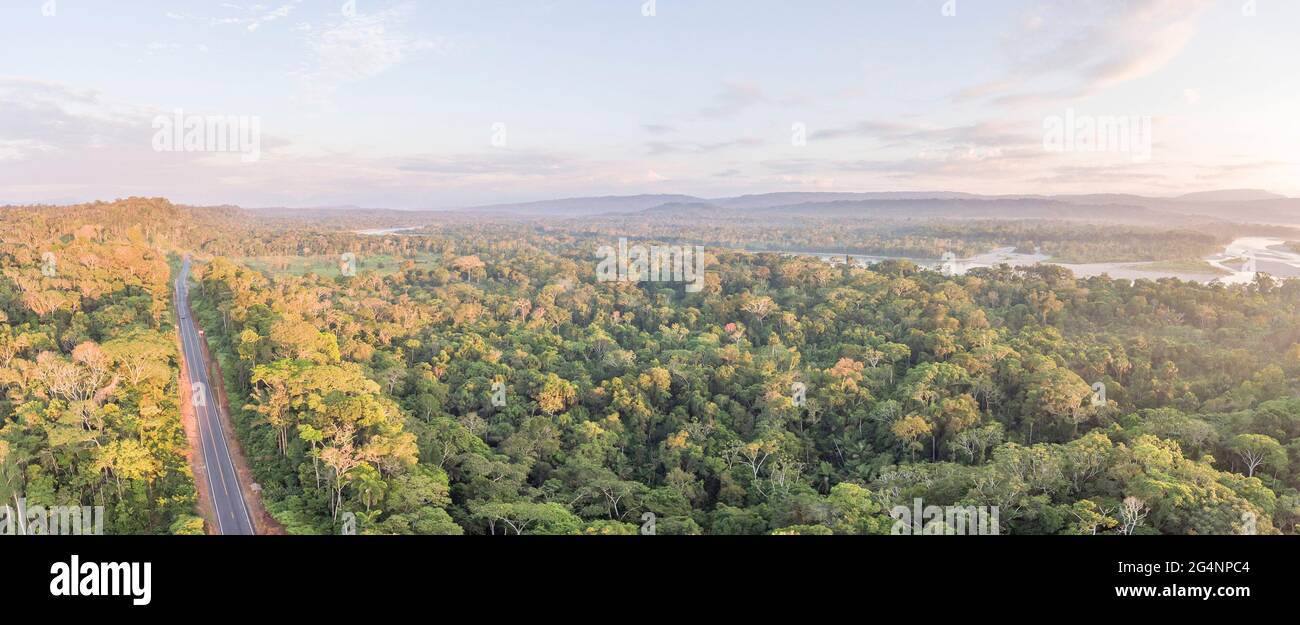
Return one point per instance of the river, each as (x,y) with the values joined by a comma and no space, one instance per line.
(379,232)
(1270,256)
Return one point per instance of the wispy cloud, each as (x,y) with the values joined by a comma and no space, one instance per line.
(361,46)
(686,147)
(902,134)
(736,96)
(731,116)
(58,142)
(1068,50)
(658,129)
(497,163)
(251,17)
(39,118)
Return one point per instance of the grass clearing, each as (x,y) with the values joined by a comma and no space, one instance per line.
(331,266)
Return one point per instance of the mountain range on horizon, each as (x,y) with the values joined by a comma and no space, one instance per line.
(633,203)
(1233,205)
(1225,205)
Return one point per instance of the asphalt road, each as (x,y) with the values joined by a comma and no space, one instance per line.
(223,481)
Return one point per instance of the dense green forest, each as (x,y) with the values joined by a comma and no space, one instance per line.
(482,381)
(1063,241)
(88,371)
(373,394)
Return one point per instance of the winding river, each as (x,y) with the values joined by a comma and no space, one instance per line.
(1270,256)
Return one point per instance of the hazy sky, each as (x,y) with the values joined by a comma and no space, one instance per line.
(440,103)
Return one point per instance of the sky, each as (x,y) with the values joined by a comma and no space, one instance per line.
(448,103)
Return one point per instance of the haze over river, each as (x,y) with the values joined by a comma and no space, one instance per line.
(1270,254)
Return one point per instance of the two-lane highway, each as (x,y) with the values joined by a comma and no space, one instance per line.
(223,481)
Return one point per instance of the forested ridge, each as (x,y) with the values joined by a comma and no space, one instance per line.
(372,395)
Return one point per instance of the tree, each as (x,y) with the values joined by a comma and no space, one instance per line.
(1056,392)
(853,510)
(555,395)
(520,517)
(341,456)
(126,460)
(1257,450)
(1131,514)
(910,430)
(1089,518)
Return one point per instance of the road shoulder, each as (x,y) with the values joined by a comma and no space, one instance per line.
(263,522)
(191,426)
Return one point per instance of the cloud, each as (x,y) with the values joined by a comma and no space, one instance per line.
(251,17)
(272,15)
(497,163)
(656,148)
(58,142)
(360,47)
(1084,175)
(736,96)
(978,136)
(67,144)
(1230,172)
(39,118)
(1120,40)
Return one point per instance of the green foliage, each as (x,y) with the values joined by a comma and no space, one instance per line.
(484,382)
(88,367)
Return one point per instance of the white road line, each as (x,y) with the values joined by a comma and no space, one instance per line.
(215,415)
(207,466)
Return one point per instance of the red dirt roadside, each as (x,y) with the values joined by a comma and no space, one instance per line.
(197,468)
(262,520)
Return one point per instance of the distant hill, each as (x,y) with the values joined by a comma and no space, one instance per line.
(1231,195)
(1282,210)
(575,207)
(770,200)
(1235,205)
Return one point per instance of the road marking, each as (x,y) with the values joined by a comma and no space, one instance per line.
(207,466)
(204,417)
(190,337)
